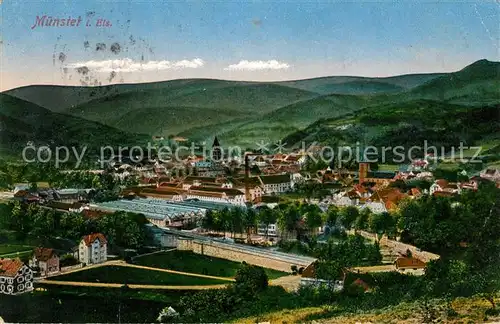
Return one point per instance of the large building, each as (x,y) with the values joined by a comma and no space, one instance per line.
(93,249)
(276,183)
(46,260)
(15,277)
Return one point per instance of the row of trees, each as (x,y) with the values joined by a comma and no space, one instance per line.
(32,173)
(121,228)
(298,219)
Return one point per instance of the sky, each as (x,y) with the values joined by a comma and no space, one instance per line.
(144,41)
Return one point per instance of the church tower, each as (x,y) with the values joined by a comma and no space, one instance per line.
(216,151)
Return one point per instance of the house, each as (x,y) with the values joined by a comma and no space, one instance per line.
(276,183)
(376,207)
(441,185)
(403,263)
(189,181)
(19,187)
(309,279)
(216,194)
(93,249)
(46,260)
(378,177)
(390,197)
(490,174)
(269,230)
(419,164)
(343,199)
(26,196)
(71,195)
(15,277)
(254,187)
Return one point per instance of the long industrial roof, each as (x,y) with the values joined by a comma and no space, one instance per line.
(160,208)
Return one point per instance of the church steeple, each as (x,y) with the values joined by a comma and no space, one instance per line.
(216,142)
(216,150)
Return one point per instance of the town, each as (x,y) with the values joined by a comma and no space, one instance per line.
(281,212)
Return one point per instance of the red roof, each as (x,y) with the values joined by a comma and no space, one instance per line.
(88,213)
(406,262)
(89,239)
(10,267)
(44,254)
(443,194)
(415,191)
(442,183)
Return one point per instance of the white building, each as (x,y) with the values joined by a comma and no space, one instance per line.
(217,194)
(276,183)
(93,249)
(490,174)
(377,207)
(272,230)
(15,277)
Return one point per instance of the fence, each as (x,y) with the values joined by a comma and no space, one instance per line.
(73,267)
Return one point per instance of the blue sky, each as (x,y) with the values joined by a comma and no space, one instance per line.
(245,40)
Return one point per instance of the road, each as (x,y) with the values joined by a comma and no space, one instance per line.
(387,268)
(289,283)
(122,263)
(115,285)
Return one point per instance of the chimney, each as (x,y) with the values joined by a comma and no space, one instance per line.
(364,168)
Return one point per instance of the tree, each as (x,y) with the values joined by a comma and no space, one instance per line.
(348,216)
(289,218)
(332,215)
(361,222)
(381,223)
(313,218)
(251,279)
(267,216)
(223,220)
(250,221)
(236,220)
(123,229)
(208,222)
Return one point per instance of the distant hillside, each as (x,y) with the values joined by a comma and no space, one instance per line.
(278,123)
(246,112)
(62,98)
(406,124)
(168,111)
(478,82)
(362,85)
(22,121)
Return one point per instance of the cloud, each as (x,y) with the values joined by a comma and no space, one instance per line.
(129,65)
(257,65)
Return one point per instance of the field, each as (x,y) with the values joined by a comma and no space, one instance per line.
(126,275)
(10,250)
(191,262)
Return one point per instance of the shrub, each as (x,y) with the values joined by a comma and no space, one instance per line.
(251,279)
